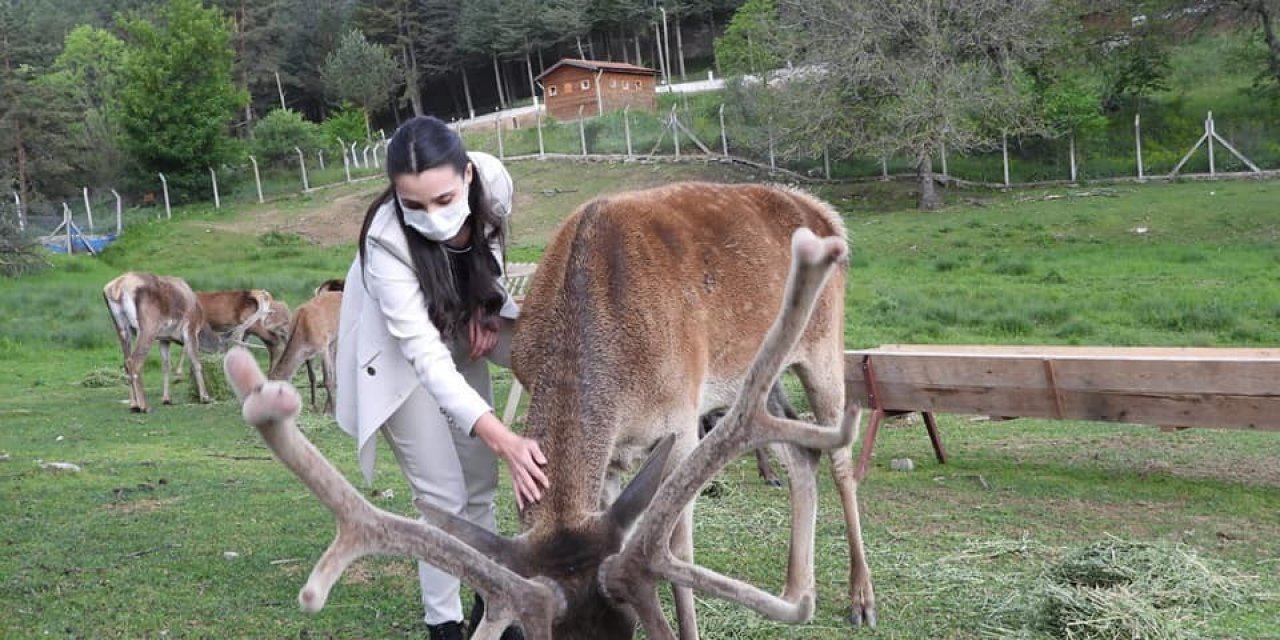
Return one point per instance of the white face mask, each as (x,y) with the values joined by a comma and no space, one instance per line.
(440,225)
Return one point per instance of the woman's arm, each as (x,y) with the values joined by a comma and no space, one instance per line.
(524,458)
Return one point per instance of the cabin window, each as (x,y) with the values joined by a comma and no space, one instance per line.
(638,85)
(586,84)
(553,90)
(613,83)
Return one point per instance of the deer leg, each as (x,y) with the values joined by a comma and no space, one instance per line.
(826,396)
(802,475)
(133,367)
(326,368)
(164,371)
(682,544)
(311,382)
(189,346)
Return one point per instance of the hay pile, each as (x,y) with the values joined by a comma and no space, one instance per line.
(215,380)
(104,378)
(1119,589)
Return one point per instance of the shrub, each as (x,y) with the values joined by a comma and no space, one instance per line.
(276,136)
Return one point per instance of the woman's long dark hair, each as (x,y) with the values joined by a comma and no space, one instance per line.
(455,282)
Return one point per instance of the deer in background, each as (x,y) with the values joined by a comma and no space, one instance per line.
(229,314)
(648,310)
(314,332)
(273,330)
(145,308)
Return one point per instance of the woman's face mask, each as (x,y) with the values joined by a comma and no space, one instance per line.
(432,207)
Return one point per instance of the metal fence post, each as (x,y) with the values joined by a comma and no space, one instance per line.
(582,129)
(88,210)
(944,160)
(168,213)
(497,124)
(724,138)
(1208,133)
(17,208)
(213,177)
(675,132)
(302,162)
(626,126)
(826,162)
(66,221)
(257,179)
(542,150)
(320,155)
(365,156)
(346,164)
(1137,140)
(1004,152)
(119,212)
(354,158)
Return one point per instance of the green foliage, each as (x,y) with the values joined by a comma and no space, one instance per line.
(747,45)
(19,255)
(346,124)
(1072,106)
(360,72)
(276,136)
(177,96)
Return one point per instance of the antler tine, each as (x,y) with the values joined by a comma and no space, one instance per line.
(632,573)
(272,408)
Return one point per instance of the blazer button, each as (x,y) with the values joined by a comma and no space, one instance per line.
(370,371)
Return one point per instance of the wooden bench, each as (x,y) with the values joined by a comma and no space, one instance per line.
(1166,387)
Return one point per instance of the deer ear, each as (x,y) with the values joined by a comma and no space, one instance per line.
(640,491)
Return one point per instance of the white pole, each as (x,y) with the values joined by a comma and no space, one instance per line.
(302,162)
(884,167)
(666,42)
(1137,139)
(346,164)
(1208,132)
(257,178)
(365,155)
(675,132)
(662,63)
(168,213)
(119,212)
(343,146)
(1073,158)
(1004,152)
(320,155)
(724,139)
(582,129)
(354,158)
(826,162)
(542,151)
(17,204)
(213,177)
(626,126)
(66,220)
(88,210)
(944,160)
(497,124)
(280,90)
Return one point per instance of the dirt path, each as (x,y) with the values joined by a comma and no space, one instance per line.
(328,220)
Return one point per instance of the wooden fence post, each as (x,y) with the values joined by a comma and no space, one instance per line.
(88,209)
(257,178)
(1137,140)
(626,126)
(213,177)
(119,212)
(302,163)
(168,213)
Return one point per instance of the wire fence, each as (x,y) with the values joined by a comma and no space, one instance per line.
(680,130)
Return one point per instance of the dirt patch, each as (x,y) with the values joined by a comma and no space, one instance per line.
(330,219)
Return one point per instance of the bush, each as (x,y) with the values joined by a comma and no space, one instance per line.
(276,136)
(19,255)
(348,125)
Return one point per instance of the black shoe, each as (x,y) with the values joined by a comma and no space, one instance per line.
(446,631)
(477,614)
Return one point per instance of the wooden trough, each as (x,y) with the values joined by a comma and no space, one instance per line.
(1167,387)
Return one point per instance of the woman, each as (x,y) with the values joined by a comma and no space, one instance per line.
(422,312)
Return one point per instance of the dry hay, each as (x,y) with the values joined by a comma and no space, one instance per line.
(215,380)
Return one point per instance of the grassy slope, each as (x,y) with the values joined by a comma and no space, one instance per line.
(134,546)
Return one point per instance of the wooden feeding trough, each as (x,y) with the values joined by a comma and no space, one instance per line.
(1167,387)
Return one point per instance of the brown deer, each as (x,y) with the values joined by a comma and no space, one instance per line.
(145,308)
(273,330)
(313,332)
(648,310)
(778,405)
(229,314)
(332,284)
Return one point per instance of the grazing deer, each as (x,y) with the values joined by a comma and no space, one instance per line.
(144,308)
(649,309)
(332,284)
(314,332)
(273,331)
(232,312)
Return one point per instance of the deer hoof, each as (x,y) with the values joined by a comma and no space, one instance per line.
(167,402)
(205,400)
(137,410)
(863,616)
(773,482)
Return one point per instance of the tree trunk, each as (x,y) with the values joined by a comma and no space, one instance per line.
(581,55)
(1260,8)
(541,67)
(929,199)
(622,45)
(711,24)
(528,64)
(497,76)
(639,58)
(680,50)
(466,90)
(411,84)
(19,144)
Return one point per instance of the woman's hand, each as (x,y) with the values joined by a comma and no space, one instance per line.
(483,332)
(523,456)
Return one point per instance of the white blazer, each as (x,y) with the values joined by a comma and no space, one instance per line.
(387,345)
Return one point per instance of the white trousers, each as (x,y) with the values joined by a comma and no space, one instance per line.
(452,471)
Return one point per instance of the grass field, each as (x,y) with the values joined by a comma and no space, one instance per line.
(181,525)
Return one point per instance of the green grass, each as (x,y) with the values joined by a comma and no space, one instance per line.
(135,545)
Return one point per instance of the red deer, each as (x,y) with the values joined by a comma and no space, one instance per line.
(144,308)
(273,331)
(648,310)
(232,312)
(314,332)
